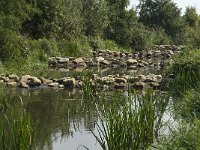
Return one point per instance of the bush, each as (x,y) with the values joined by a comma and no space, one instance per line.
(189,105)
(12,45)
(185,137)
(186,70)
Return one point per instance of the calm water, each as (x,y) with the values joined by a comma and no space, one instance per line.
(65,119)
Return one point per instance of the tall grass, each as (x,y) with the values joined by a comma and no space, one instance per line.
(17,131)
(134,125)
(186,71)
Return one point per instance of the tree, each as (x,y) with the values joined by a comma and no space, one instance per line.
(95,16)
(160,13)
(191,17)
(121,22)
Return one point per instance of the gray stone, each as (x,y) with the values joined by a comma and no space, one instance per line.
(79,61)
(11,84)
(139,85)
(141,78)
(55,84)
(5,79)
(13,78)
(23,85)
(67,82)
(151,78)
(99,59)
(132,61)
(63,60)
(120,80)
(45,81)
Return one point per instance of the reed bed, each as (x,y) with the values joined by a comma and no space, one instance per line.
(134,125)
(17,131)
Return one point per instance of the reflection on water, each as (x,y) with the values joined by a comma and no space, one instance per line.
(65,119)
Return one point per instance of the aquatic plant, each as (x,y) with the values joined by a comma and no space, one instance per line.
(134,125)
(17,131)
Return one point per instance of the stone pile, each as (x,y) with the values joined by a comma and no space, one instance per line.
(110,59)
(110,82)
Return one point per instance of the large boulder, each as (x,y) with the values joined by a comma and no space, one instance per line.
(30,81)
(67,82)
(13,78)
(11,84)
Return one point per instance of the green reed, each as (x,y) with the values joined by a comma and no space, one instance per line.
(134,125)
(17,131)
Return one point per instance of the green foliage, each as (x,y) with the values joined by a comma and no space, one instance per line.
(95,14)
(190,105)
(17,132)
(190,36)
(191,17)
(12,45)
(134,125)
(184,137)
(162,14)
(186,70)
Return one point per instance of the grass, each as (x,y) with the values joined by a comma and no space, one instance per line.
(186,70)
(184,137)
(134,125)
(17,131)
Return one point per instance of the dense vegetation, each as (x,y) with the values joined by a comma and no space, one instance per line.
(39,29)
(31,31)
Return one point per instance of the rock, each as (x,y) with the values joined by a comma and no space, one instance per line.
(13,78)
(67,82)
(159,77)
(132,80)
(34,81)
(78,61)
(11,84)
(61,86)
(123,64)
(92,63)
(139,85)
(63,60)
(55,84)
(99,59)
(31,81)
(23,85)
(132,67)
(154,85)
(45,81)
(140,65)
(141,78)
(4,79)
(149,53)
(24,78)
(120,85)
(131,61)
(105,80)
(52,62)
(104,63)
(151,78)
(120,80)
(94,76)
